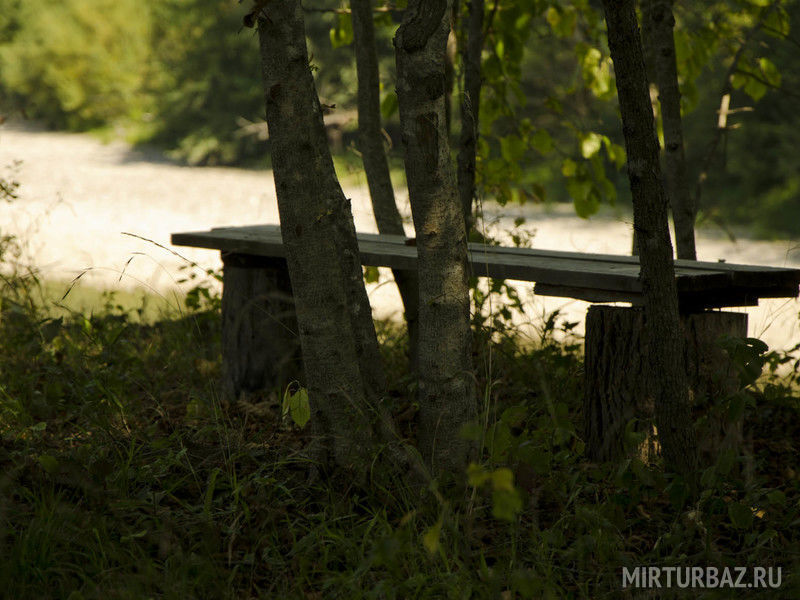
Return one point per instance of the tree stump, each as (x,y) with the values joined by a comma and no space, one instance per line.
(617,376)
(260,342)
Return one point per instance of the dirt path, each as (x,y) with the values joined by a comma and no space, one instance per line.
(79,197)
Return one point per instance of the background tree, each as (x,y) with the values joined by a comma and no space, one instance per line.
(446,390)
(662,322)
(657,25)
(471,50)
(373,154)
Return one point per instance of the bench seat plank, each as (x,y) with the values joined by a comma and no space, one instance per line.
(591,277)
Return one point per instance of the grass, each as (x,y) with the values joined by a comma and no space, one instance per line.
(124,474)
(63,299)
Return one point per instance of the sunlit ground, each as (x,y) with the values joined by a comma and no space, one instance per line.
(108,211)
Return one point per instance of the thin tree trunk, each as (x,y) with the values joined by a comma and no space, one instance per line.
(657,27)
(446,389)
(376,166)
(340,349)
(470,105)
(665,343)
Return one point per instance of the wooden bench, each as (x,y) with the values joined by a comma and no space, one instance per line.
(259,325)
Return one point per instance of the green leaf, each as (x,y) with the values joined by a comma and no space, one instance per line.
(514,416)
(498,440)
(777,22)
(726,460)
(48,463)
(770,71)
(553,17)
(741,515)
(299,407)
(755,89)
(472,431)
(776,497)
(503,479)
(542,142)
(562,21)
(738,80)
(477,475)
(584,197)
(595,71)
(134,536)
(342,34)
(506,504)
(709,477)
(591,144)
(371,274)
(389,105)
(616,153)
(512,147)
(431,539)
(569,168)
(500,49)
(758,346)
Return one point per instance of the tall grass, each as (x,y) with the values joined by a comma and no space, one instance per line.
(124,474)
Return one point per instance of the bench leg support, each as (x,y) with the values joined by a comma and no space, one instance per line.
(260,343)
(617,374)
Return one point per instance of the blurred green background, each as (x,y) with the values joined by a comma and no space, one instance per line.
(183,75)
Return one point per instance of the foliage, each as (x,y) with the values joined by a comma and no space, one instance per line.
(754,179)
(548,123)
(205,83)
(185,74)
(75,64)
(8,184)
(125,475)
(527,119)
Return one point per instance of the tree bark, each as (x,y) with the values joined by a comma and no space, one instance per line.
(664,340)
(342,362)
(617,379)
(376,166)
(446,389)
(657,28)
(470,107)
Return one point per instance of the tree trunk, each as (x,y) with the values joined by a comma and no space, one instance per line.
(617,376)
(657,27)
(260,346)
(470,107)
(370,143)
(665,344)
(340,350)
(446,389)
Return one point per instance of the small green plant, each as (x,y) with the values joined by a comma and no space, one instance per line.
(204,294)
(296,405)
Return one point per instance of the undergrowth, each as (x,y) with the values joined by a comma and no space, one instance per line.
(124,475)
